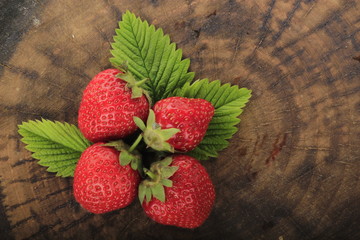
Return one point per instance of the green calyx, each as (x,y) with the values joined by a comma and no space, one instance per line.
(154,136)
(159,175)
(128,154)
(132,83)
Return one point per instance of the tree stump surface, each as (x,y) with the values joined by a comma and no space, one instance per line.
(291,171)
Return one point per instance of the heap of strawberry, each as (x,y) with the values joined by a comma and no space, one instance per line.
(173,188)
(126,145)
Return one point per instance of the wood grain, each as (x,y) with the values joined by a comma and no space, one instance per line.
(292,170)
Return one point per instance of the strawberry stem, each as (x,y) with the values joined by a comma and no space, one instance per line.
(134,145)
(149,173)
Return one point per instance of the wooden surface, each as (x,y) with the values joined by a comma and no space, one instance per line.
(292,170)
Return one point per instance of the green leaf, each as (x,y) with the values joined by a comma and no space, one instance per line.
(228,102)
(135,164)
(126,158)
(118,145)
(166,161)
(151,119)
(139,123)
(150,54)
(148,194)
(57,145)
(166,182)
(141,192)
(168,133)
(168,171)
(158,192)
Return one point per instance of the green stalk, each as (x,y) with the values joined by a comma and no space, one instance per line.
(134,145)
(149,173)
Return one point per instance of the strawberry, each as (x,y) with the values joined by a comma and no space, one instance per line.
(180,192)
(177,123)
(101,184)
(109,104)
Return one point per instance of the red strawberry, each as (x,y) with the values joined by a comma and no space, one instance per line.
(101,184)
(179,123)
(187,198)
(109,104)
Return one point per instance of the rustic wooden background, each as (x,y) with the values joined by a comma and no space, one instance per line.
(292,170)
